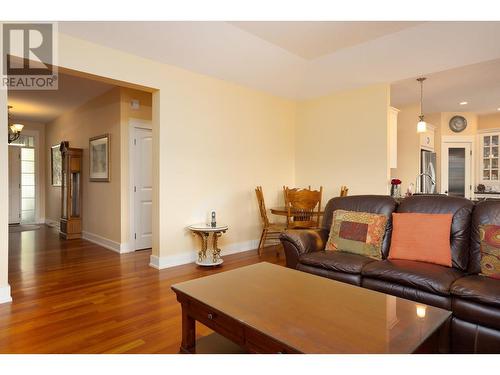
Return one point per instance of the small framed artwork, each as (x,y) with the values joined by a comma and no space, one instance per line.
(56,165)
(99,158)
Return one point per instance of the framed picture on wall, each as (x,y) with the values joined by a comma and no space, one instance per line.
(56,165)
(99,158)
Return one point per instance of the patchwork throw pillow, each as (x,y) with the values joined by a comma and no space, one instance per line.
(357,232)
(490,250)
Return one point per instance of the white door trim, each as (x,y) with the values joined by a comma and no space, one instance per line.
(133,124)
(18,156)
(471,140)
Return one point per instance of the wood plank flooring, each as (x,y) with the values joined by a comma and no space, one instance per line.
(77,297)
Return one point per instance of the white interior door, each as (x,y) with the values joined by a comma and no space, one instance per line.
(14,185)
(457,169)
(143,187)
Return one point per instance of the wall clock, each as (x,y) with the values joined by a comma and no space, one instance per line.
(458,124)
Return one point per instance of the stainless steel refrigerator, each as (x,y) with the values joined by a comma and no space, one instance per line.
(428,166)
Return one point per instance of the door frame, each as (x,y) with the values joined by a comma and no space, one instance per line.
(39,178)
(471,140)
(133,124)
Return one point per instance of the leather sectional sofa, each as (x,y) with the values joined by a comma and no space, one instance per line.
(473,299)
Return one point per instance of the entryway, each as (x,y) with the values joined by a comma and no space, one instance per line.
(22,180)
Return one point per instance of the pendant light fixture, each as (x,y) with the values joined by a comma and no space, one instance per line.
(14,129)
(421,125)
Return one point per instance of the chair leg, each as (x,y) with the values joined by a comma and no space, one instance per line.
(261,242)
(264,238)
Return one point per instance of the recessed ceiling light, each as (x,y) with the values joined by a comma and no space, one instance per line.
(464,103)
(498,109)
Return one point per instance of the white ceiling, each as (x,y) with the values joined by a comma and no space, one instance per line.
(269,56)
(477,84)
(311,40)
(44,106)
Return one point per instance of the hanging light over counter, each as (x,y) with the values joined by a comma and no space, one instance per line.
(421,125)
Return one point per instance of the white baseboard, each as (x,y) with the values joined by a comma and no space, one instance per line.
(52,223)
(5,294)
(180,259)
(104,242)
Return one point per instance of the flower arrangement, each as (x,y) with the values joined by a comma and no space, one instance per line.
(395,181)
(395,187)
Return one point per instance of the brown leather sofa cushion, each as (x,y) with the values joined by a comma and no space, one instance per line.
(485,212)
(375,204)
(428,277)
(477,288)
(461,209)
(336,261)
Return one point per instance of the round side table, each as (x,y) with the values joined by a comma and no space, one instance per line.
(203,231)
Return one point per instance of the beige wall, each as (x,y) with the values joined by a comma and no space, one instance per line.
(490,121)
(100,200)
(342,139)
(408,146)
(472,123)
(214,141)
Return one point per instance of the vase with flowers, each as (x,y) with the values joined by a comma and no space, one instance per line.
(395,187)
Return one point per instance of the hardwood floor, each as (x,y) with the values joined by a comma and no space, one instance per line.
(77,297)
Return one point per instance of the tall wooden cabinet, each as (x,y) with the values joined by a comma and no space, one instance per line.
(71,192)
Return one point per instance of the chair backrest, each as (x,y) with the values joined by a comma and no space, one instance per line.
(303,207)
(262,205)
(343,191)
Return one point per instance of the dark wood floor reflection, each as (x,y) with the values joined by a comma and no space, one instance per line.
(77,297)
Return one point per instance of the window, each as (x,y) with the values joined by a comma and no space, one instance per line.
(27,185)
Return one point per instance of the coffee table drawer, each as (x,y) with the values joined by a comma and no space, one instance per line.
(259,343)
(220,323)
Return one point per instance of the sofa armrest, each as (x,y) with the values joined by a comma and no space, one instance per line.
(298,242)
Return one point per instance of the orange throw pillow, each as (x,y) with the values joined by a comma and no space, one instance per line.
(421,237)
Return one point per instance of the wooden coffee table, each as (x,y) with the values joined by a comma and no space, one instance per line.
(265,308)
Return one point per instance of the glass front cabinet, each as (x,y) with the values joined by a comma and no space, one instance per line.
(489,157)
(71,192)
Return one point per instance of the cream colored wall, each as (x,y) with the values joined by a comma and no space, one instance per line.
(100,200)
(127,113)
(214,141)
(489,121)
(408,146)
(472,123)
(341,139)
(218,140)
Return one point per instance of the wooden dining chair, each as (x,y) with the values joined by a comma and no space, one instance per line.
(303,208)
(343,191)
(269,230)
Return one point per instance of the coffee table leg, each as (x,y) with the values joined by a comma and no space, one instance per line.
(188,344)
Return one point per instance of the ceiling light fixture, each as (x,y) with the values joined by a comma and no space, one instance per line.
(463,103)
(421,125)
(14,129)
